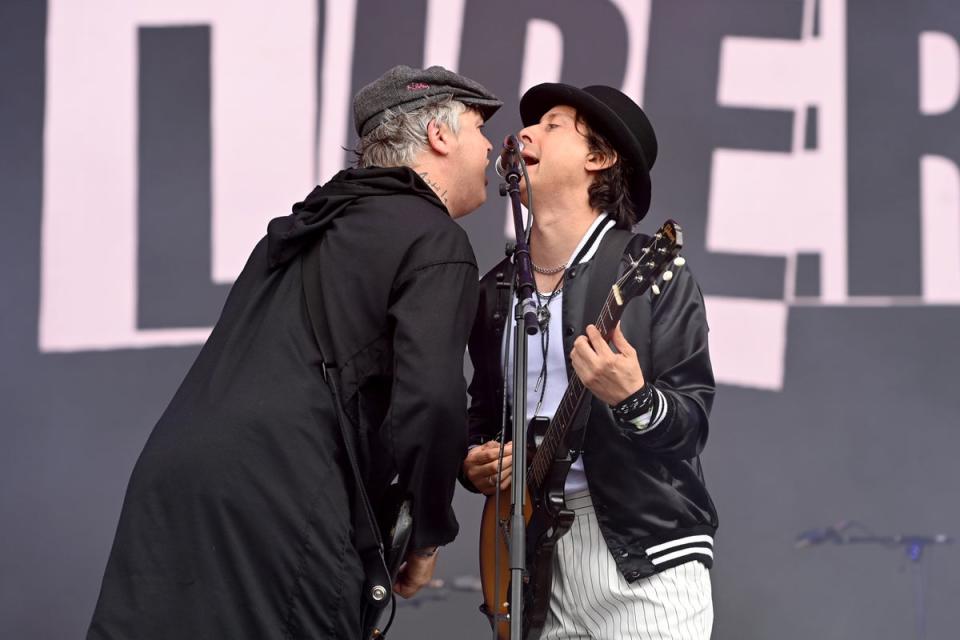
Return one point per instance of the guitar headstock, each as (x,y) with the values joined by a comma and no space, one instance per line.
(654,262)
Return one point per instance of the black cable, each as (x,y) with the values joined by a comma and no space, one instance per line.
(393,612)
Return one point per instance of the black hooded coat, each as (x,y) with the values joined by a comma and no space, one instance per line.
(238,518)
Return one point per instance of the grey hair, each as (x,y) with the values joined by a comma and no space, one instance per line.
(402,136)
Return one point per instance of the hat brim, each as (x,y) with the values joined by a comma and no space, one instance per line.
(486,107)
(543,97)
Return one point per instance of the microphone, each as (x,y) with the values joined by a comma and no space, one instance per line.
(819,536)
(509,157)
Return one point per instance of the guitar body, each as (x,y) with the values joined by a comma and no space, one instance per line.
(547,519)
(495,560)
(395,518)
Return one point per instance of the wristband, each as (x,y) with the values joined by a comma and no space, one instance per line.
(634,405)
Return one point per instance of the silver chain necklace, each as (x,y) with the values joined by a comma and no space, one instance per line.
(545,271)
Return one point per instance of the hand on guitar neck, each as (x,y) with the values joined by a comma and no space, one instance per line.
(481,464)
(611,376)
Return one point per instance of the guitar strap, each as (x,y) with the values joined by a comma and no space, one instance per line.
(604,272)
(368,540)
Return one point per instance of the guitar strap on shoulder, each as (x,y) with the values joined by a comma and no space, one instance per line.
(604,272)
(378,588)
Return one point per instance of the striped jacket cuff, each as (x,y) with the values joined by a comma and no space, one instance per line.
(674,552)
(653,418)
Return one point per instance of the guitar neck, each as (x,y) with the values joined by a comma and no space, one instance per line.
(572,400)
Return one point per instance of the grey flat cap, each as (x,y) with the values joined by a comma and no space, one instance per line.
(405,89)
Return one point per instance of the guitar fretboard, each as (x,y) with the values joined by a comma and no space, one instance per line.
(570,404)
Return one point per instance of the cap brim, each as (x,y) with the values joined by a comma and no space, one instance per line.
(486,107)
(543,97)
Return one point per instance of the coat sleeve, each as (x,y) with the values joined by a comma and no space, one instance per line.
(431,313)
(680,370)
(485,413)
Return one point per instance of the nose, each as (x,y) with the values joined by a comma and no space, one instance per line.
(525,134)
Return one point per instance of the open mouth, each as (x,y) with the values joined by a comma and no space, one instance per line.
(530,160)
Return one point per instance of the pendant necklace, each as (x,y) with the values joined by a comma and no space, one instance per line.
(543,319)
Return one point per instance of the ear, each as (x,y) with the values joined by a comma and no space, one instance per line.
(439,138)
(600,161)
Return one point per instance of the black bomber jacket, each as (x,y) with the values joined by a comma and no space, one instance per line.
(647,487)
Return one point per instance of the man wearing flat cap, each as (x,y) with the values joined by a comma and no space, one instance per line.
(635,562)
(242,518)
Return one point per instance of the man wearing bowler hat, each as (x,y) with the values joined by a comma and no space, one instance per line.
(635,562)
(242,518)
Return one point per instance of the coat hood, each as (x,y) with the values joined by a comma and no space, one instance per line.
(287,236)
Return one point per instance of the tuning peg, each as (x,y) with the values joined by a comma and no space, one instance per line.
(679,261)
(655,289)
(668,276)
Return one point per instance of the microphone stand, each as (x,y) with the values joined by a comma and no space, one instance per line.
(525,317)
(913,546)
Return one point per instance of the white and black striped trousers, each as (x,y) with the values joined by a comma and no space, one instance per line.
(590,599)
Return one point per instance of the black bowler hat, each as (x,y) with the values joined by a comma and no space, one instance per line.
(611,114)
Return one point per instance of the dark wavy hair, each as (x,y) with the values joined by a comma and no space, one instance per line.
(610,191)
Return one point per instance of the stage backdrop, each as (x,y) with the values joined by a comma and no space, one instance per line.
(809,148)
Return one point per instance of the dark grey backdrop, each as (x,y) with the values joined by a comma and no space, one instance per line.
(866,426)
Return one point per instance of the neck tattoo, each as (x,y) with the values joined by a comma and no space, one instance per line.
(441,193)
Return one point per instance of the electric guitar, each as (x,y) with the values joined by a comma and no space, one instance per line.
(544,509)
